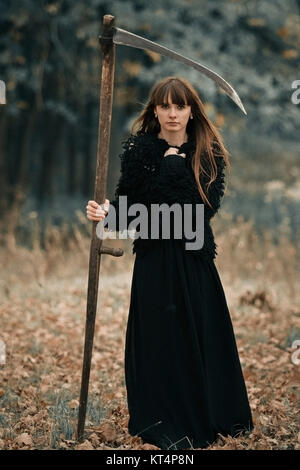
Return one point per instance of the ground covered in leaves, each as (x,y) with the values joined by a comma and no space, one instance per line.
(43,307)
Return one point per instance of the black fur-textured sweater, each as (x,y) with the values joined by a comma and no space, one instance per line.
(148,177)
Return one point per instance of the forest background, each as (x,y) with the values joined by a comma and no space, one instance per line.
(50,61)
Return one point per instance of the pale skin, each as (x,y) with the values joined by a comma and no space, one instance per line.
(173,120)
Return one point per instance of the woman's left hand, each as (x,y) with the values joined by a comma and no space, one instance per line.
(172,150)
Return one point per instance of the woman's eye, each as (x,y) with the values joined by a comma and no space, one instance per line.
(166,105)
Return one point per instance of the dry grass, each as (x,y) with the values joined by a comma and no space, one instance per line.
(43,307)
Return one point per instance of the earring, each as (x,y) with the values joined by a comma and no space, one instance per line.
(192,117)
(155,115)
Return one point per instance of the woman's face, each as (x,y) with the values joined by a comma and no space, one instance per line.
(173,117)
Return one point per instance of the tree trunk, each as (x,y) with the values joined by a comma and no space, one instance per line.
(21,185)
(72,161)
(4,180)
(53,132)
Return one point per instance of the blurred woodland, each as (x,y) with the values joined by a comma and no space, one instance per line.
(50,60)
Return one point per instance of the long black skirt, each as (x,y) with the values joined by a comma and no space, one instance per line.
(183,374)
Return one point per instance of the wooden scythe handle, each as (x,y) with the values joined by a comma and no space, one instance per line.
(111,251)
(96,249)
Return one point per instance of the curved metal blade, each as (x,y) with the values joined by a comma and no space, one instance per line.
(123,37)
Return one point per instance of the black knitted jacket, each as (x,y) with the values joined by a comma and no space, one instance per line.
(148,177)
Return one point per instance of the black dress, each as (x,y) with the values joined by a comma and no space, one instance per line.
(183,374)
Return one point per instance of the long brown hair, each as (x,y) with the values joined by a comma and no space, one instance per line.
(207,137)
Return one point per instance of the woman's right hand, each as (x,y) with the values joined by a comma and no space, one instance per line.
(95,212)
(172,151)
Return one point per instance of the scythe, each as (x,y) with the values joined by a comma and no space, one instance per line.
(111,36)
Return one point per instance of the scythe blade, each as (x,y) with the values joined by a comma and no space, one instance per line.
(125,38)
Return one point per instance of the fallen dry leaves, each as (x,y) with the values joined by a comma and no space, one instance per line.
(43,329)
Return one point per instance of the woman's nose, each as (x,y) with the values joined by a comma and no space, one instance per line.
(172,112)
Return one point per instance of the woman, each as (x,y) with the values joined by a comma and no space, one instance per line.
(183,374)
